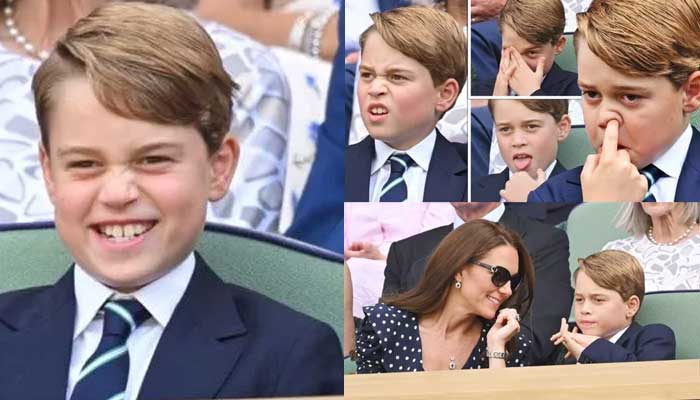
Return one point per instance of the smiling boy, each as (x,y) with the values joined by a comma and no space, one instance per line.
(608,294)
(528,133)
(639,70)
(134,108)
(532,36)
(411,72)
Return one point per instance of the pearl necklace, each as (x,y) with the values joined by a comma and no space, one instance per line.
(650,236)
(21,40)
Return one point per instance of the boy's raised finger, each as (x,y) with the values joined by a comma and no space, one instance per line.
(609,150)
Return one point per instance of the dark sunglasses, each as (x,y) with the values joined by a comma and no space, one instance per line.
(499,275)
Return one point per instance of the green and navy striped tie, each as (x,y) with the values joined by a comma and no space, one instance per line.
(395,188)
(104,375)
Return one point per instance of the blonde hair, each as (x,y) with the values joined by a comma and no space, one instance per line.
(614,270)
(429,36)
(557,108)
(147,62)
(644,38)
(537,21)
(635,221)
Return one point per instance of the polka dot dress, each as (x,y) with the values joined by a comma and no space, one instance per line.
(389,341)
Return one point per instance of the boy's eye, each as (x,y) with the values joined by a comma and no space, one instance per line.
(365,75)
(532,127)
(578,299)
(396,77)
(599,300)
(504,130)
(631,98)
(82,164)
(154,160)
(590,95)
(532,53)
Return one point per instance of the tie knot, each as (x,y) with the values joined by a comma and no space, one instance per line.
(400,163)
(652,174)
(123,316)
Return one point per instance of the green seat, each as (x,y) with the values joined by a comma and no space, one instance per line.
(695,119)
(567,58)
(679,311)
(574,150)
(306,278)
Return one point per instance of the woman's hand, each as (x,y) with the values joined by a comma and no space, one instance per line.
(506,326)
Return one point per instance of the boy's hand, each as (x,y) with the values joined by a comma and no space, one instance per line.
(364,250)
(506,326)
(520,185)
(611,176)
(525,81)
(505,71)
(574,342)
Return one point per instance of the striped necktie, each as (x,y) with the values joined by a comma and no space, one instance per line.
(652,174)
(395,188)
(104,375)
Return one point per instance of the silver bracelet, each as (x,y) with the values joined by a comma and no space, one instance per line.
(497,354)
(311,44)
(296,33)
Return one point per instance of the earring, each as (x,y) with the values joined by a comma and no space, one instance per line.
(458,284)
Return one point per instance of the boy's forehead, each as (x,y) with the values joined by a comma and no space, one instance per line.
(511,38)
(514,111)
(377,52)
(594,72)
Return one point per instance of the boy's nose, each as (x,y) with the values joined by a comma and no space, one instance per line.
(519,139)
(377,88)
(118,189)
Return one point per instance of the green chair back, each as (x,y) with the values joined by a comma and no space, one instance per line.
(567,58)
(304,277)
(678,310)
(695,119)
(574,150)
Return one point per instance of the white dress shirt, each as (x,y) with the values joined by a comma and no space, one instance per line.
(614,338)
(160,299)
(414,176)
(671,162)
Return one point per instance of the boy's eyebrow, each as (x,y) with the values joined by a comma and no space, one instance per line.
(77,150)
(617,88)
(527,121)
(388,70)
(160,146)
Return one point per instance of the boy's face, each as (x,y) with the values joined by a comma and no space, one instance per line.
(527,139)
(649,110)
(398,102)
(529,51)
(130,196)
(599,312)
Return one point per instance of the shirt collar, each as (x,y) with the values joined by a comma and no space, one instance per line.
(547,172)
(671,162)
(614,338)
(159,297)
(493,216)
(420,153)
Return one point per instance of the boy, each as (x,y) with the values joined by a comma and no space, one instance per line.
(639,69)
(532,35)
(134,108)
(412,69)
(528,133)
(608,294)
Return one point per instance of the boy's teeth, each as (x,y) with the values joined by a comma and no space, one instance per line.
(124,232)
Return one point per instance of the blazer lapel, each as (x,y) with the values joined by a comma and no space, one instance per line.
(358,168)
(558,169)
(36,358)
(201,344)
(447,173)
(631,332)
(689,180)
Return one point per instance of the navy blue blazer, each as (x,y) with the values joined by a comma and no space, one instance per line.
(222,341)
(487,188)
(566,187)
(486,55)
(651,342)
(558,82)
(481,133)
(446,179)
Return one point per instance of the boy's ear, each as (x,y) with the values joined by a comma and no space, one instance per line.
(559,45)
(447,93)
(632,306)
(691,90)
(223,165)
(564,126)
(45,162)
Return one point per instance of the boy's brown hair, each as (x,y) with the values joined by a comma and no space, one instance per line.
(557,108)
(146,62)
(644,38)
(614,270)
(429,36)
(538,21)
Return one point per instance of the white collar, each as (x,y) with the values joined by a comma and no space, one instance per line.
(547,172)
(614,338)
(671,161)
(420,153)
(159,297)
(492,216)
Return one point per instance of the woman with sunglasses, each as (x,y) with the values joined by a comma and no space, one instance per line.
(462,314)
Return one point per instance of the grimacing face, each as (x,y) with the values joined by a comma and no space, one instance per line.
(130,196)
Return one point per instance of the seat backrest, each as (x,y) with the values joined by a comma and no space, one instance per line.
(678,310)
(306,278)
(573,151)
(695,119)
(567,58)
